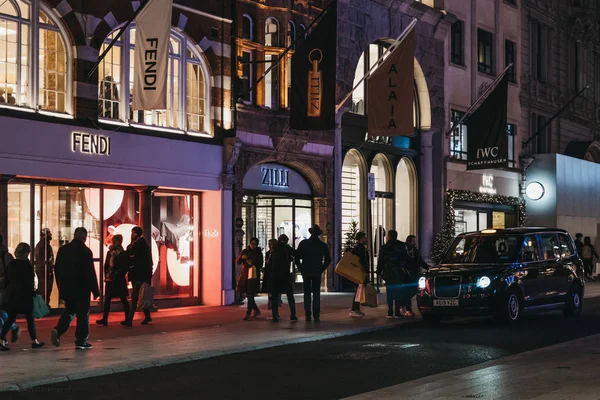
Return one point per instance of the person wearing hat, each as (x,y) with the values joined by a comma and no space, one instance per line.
(44,265)
(312,258)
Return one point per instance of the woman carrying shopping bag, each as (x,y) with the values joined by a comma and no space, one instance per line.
(251,259)
(20,291)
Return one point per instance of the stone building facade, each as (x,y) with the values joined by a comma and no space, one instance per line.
(407,170)
(87,159)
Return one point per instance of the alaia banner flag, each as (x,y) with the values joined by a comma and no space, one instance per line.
(152,33)
(390,92)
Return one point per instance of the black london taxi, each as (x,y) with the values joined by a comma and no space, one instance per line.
(505,273)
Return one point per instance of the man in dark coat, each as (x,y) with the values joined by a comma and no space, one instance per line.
(77,280)
(414,265)
(282,256)
(44,265)
(579,243)
(140,271)
(312,259)
(392,267)
(361,251)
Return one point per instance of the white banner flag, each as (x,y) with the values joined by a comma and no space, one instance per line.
(152,32)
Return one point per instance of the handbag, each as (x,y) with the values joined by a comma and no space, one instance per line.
(252,273)
(40,309)
(360,294)
(369,296)
(147,296)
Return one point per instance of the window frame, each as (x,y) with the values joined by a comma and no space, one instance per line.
(460,132)
(185,44)
(248,18)
(511,132)
(555,250)
(485,43)
(291,34)
(275,35)
(457,43)
(34,25)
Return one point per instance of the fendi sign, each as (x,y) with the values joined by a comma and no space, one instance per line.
(88,143)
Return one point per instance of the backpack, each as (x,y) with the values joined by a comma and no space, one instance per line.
(586,252)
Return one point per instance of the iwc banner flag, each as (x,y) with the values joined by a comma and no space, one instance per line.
(313,77)
(487,140)
(152,32)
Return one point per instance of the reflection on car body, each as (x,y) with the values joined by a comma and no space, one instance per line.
(503,273)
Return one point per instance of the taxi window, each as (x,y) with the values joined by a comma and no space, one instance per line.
(550,247)
(566,246)
(529,249)
(483,249)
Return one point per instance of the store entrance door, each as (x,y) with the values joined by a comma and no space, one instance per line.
(268,217)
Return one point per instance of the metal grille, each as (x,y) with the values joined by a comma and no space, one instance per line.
(447,286)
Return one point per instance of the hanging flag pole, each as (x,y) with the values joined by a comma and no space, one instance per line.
(540,130)
(287,50)
(482,97)
(388,51)
(116,38)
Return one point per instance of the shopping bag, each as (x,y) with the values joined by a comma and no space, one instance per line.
(360,294)
(252,273)
(349,267)
(369,296)
(146,296)
(40,309)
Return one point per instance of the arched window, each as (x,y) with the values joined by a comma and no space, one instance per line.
(33,76)
(406,198)
(247,27)
(188,92)
(353,178)
(381,206)
(302,31)
(271,32)
(291,34)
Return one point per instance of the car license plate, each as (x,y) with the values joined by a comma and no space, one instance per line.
(445,303)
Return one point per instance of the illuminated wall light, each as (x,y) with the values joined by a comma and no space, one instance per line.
(535,190)
(56,114)
(112,202)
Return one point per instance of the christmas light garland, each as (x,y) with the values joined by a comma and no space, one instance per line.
(445,237)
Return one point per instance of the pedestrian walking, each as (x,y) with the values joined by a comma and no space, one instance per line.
(77,281)
(266,284)
(115,282)
(392,267)
(361,251)
(251,259)
(312,259)
(140,272)
(282,276)
(44,265)
(588,252)
(5,259)
(20,291)
(579,243)
(414,264)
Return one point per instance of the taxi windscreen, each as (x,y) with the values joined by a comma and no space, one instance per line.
(484,248)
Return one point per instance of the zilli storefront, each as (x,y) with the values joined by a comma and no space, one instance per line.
(66,177)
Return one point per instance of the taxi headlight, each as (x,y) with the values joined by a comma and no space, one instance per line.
(422,283)
(483,282)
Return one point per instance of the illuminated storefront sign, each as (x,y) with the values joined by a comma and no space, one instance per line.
(487,184)
(275,177)
(87,143)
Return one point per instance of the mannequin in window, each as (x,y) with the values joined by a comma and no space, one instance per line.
(9,96)
(109,96)
(2,99)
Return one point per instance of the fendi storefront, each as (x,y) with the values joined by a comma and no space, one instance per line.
(60,177)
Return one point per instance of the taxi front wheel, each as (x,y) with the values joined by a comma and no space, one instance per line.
(510,309)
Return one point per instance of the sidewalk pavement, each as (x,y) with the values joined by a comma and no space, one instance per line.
(181,335)
(175,336)
(563,371)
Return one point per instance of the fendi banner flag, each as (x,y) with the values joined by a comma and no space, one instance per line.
(152,32)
